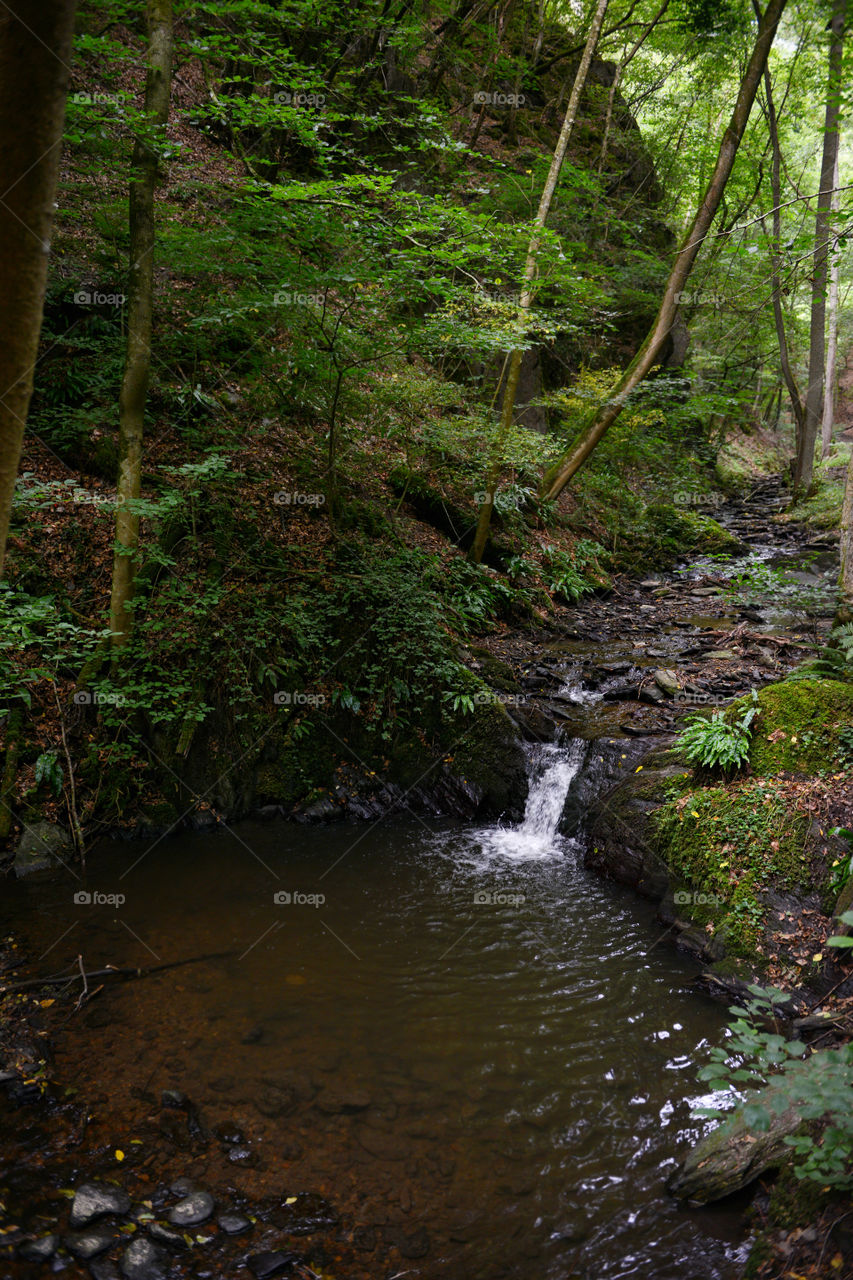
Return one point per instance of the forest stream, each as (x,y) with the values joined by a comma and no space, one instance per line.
(414,1047)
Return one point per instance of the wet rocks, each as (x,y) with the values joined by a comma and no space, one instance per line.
(234,1224)
(41,845)
(39,1250)
(142,1260)
(93,1201)
(230,1135)
(194,1209)
(88,1244)
(733,1155)
(242,1155)
(166,1235)
(264,1266)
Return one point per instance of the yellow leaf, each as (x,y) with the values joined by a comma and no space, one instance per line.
(119,1155)
(819,956)
(695,814)
(292,1199)
(45,1004)
(638,768)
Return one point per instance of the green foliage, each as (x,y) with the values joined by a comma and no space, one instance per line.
(571,576)
(834,662)
(37,642)
(718,743)
(814,1084)
(49,770)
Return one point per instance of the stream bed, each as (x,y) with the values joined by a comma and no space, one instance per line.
(472,1048)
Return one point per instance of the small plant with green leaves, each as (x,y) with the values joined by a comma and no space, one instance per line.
(768,1075)
(834,662)
(718,743)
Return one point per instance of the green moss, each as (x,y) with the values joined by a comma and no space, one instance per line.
(729,843)
(796,729)
(682,531)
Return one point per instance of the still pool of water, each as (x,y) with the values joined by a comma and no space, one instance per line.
(458,1035)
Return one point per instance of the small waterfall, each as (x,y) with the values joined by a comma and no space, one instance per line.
(553,770)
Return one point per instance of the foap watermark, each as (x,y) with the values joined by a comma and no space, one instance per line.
(298,698)
(701,699)
(94,898)
(284,898)
(686,898)
(482,98)
(96,698)
(503,499)
(96,99)
(293,298)
(698,499)
(299,98)
(487,697)
(699,298)
(292,498)
(96,298)
(497,898)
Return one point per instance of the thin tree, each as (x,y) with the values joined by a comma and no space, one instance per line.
(829,380)
(35,50)
(804,465)
(845,581)
(598,421)
(134,387)
(798,408)
(513,366)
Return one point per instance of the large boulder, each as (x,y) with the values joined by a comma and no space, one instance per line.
(42,845)
(734,1155)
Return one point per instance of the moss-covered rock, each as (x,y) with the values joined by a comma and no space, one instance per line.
(680,532)
(796,729)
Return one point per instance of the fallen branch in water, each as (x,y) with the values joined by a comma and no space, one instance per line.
(111,971)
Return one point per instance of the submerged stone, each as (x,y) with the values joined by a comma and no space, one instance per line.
(193,1210)
(92,1201)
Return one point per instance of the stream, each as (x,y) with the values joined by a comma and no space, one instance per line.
(449,1050)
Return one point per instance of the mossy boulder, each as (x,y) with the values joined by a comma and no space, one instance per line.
(796,729)
(680,532)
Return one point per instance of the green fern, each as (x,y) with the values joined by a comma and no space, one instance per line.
(835,660)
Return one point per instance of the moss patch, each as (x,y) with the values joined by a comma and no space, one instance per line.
(729,844)
(683,531)
(797,727)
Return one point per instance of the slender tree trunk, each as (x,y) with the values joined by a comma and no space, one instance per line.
(527,288)
(804,466)
(134,388)
(845,581)
(35,50)
(797,407)
(600,419)
(829,381)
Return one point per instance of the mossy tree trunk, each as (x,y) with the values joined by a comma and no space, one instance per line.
(35,51)
(134,388)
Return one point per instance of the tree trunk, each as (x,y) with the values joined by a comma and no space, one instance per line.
(829,381)
(599,420)
(804,466)
(35,50)
(527,291)
(134,388)
(797,407)
(845,581)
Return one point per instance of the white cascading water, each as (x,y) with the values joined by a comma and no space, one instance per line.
(553,770)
